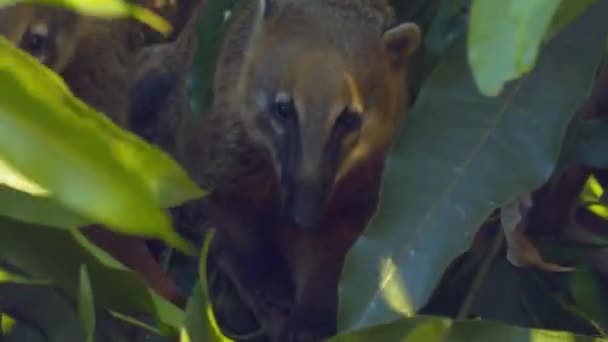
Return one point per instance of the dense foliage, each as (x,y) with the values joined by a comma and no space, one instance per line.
(499,84)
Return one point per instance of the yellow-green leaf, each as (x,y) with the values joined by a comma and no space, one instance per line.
(200,324)
(107,9)
(82,158)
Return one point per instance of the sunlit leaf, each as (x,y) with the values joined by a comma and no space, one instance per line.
(504,39)
(7,323)
(13,179)
(201,325)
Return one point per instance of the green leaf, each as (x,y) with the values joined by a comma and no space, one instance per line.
(86,305)
(80,157)
(589,296)
(504,39)
(431,329)
(43,309)
(201,325)
(461,156)
(567,12)
(210,32)
(7,324)
(40,307)
(37,210)
(107,9)
(7,276)
(58,255)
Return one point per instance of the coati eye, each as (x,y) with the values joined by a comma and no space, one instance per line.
(348,120)
(34,43)
(283,106)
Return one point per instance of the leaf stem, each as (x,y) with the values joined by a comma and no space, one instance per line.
(497,243)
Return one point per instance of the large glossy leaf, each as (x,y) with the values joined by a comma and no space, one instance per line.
(58,255)
(504,38)
(460,156)
(80,157)
(433,329)
(40,307)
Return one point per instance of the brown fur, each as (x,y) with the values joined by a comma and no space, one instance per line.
(159,94)
(329,55)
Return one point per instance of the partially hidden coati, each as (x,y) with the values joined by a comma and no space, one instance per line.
(96,57)
(159,99)
(308,98)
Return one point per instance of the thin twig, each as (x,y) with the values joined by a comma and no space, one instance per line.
(480,276)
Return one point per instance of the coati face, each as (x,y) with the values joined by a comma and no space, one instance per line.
(47,33)
(322,93)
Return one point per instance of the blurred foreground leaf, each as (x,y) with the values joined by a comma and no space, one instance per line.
(201,325)
(106,8)
(80,157)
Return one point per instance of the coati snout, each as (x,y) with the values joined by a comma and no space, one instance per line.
(316,104)
(310,140)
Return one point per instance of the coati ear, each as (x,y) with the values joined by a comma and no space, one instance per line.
(403,40)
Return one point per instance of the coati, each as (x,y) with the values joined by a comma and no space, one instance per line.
(308,97)
(95,56)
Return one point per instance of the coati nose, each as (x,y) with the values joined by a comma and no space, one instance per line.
(307,207)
